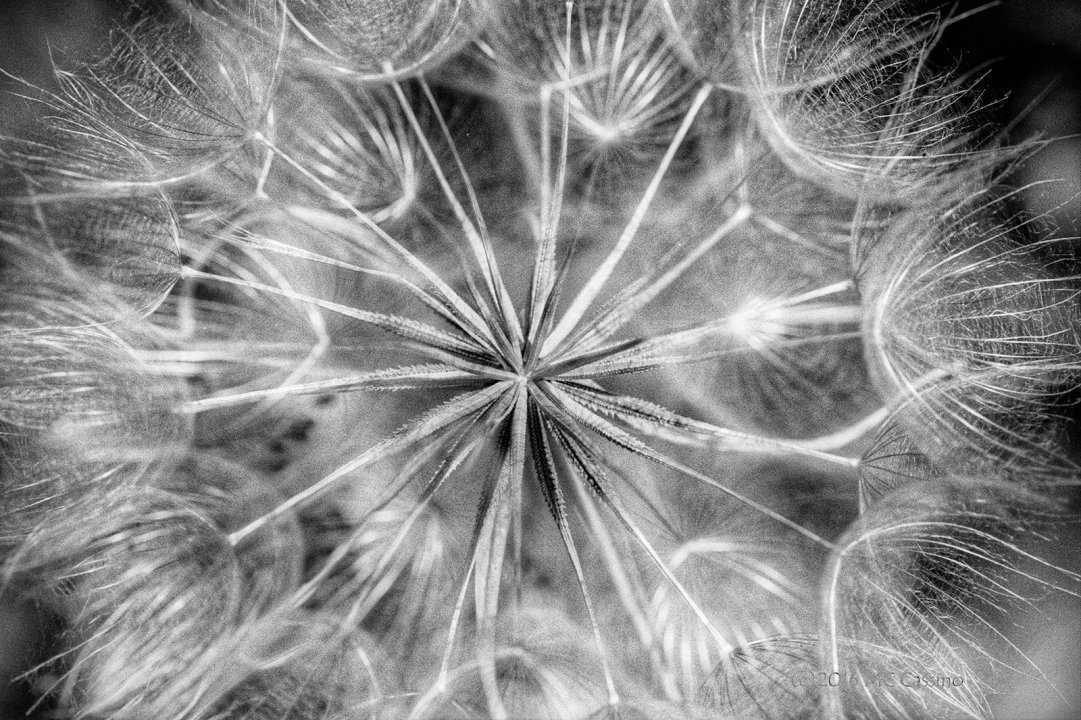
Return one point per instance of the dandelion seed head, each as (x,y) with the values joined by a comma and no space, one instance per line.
(577,360)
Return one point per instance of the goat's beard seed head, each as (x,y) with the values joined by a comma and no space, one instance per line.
(610,359)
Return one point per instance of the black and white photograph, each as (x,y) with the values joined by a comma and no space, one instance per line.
(540,360)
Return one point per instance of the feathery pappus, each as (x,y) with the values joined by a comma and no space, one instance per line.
(528,359)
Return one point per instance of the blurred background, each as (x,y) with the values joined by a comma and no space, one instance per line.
(1032,53)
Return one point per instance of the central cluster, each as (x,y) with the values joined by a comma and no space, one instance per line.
(560,402)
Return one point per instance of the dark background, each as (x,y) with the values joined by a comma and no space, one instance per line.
(1033,48)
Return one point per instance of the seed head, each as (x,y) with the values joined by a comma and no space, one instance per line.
(606,359)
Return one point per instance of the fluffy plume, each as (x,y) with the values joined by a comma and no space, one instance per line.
(974,328)
(363,40)
(168,103)
(933,573)
(126,251)
(847,94)
(146,587)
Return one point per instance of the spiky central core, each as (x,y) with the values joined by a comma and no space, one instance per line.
(530,383)
(532,387)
